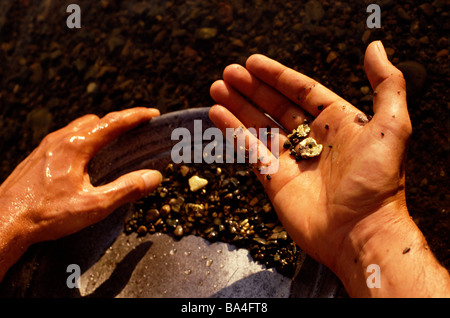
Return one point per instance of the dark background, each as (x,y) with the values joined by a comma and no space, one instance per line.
(166,54)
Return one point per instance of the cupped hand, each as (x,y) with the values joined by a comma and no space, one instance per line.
(360,170)
(49,195)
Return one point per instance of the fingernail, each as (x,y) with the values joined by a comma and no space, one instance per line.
(381,49)
(152,178)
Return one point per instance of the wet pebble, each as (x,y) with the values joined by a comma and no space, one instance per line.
(196,183)
(184,170)
(178,231)
(176,204)
(91,88)
(152,215)
(142,230)
(331,57)
(165,210)
(206,33)
(314,11)
(427,9)
(224,13)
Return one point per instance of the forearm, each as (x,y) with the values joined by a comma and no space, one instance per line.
(15,236)
(11,249)
(386,255)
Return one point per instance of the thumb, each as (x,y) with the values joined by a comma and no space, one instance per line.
(389,101)
(129,187)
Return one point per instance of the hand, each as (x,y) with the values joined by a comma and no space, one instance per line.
(49,195)
(319,200)
(334,204)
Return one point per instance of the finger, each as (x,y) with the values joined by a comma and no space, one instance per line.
(114,124)
(223,118)
(263,161)
(283,110)
(248,114)
(125,189)
(389,103)
(300,89)
(224,94)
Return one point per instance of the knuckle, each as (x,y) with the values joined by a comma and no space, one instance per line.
(81,122)
(85,120)
(90,117)
(50,139)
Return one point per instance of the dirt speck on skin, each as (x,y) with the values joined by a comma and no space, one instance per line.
(166,54)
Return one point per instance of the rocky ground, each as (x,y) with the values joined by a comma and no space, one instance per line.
(166,54)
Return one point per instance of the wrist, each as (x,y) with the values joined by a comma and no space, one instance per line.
(386,255)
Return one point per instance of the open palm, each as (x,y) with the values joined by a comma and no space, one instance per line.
(360,170)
